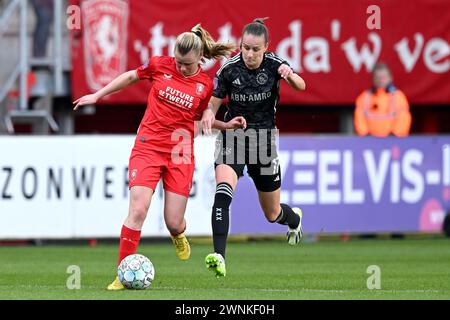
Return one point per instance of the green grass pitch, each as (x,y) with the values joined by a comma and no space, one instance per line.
(410,269)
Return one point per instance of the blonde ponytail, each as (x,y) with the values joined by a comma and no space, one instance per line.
(200,41)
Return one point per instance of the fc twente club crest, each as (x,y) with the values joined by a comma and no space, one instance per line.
(104,41)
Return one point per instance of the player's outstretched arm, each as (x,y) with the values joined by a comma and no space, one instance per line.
(293,79)
(122,81)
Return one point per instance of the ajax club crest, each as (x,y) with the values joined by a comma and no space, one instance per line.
(104,41)
(262,78)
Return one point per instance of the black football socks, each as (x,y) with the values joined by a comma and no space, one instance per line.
(220,218)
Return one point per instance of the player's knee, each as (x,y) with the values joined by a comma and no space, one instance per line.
(138,213)
(175,225)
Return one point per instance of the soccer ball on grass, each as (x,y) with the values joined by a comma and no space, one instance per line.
(136,272)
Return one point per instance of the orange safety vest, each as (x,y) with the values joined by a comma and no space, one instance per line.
(382,112)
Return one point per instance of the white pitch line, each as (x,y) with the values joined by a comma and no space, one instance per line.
(223,289)
(307,290)
(249,289)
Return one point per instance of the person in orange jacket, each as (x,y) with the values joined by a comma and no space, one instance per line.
(382,110)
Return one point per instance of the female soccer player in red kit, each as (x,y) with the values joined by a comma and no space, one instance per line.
(164,144)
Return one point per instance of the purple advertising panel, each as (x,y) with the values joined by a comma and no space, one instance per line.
(355,185)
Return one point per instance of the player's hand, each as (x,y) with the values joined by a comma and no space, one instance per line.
(208,119)
(285,71)
(237,123)
(85,100)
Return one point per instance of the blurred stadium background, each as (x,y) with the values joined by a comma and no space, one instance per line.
(63,174)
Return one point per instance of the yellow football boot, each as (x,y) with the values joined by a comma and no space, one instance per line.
(115,285)
(182,246)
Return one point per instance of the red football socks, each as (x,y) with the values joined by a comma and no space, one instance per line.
(129,241)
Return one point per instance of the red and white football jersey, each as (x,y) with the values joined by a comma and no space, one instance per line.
(173,104)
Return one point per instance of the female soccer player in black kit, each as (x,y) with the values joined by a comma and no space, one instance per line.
(251,80)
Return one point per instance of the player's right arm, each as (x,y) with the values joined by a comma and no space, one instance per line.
(122,81)
(209,115)
(219,93)
(215,104)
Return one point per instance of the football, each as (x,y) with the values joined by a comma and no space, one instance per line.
(136,272)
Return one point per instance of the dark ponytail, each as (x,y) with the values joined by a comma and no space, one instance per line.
(257,28)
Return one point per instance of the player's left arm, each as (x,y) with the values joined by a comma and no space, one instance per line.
(235,123)
(293,79)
